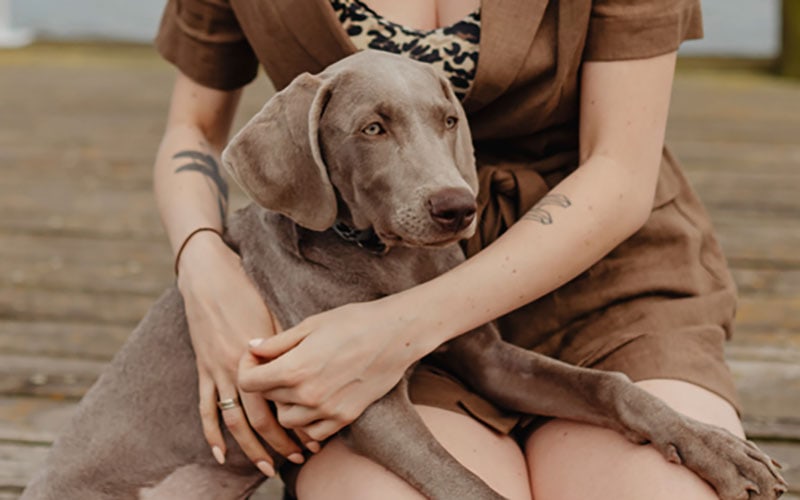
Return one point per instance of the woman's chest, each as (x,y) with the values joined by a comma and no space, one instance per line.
(424,14)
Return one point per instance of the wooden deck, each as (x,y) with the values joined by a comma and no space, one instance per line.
(82,253)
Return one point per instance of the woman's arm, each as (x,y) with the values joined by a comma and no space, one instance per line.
(340,361)
(223,308)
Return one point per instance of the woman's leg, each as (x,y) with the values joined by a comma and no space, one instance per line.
(568,460)
(338,473)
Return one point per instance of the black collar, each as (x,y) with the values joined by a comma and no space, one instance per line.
(364,238)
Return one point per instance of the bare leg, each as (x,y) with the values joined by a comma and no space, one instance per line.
(570,460)
(337,472)
(534,384)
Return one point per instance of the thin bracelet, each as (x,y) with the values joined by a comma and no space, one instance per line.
(186,240)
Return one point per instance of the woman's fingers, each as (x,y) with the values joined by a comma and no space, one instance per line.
(247,362)
(237,424)
(323,429)
(276,345)
(310,422)
(308,419)
(311,444)
(208,416)
(266,425)
(256,377)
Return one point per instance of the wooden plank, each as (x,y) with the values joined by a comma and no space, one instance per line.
(72,305)
(18,463)
(769,390)
(98,212)
(33,420)
(767,282)
(62,339)
(87,264)
(769,314)
(52,377)
(698,155)
(753,193)
(769,243)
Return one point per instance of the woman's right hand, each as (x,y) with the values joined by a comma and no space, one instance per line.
(224,311)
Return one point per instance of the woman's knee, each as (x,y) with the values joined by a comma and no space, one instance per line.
(572,460)
(337,472)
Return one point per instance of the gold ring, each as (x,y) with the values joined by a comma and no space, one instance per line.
(228,404)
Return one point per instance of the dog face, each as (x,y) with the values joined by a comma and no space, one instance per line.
(385,131)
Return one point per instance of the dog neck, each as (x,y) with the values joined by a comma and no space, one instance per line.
(363,238)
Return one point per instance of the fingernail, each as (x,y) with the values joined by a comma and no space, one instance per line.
(218,455)
(265,468)
(313,446)
(255,342)
(296,458)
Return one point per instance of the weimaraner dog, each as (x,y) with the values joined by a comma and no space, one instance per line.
(311,170)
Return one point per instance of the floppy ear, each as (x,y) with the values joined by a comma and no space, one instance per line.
(464,153)
(276,157)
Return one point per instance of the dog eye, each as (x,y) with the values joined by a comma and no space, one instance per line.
(450,121)
(373,129)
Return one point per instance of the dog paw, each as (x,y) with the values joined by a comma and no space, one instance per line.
(736,468)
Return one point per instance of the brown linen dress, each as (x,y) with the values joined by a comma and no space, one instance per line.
(660,305)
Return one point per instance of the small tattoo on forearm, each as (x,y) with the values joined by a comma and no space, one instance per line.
(206,165)
(541,214)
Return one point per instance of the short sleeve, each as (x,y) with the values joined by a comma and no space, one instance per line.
(637,29)
(204,40)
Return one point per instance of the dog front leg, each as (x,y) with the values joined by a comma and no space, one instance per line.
(391,433)
(532,383)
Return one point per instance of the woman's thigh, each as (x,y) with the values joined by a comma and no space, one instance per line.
(338,473)
(568,460)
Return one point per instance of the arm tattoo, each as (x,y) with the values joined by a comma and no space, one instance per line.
(541,214)
(206,165)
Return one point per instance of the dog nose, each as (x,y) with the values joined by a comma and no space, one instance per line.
(452,208)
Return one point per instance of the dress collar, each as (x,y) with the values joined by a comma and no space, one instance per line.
(508,28)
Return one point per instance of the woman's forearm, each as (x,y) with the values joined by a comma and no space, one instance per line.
(583,218)
(190,189)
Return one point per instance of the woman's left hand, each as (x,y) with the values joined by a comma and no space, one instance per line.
(325,371)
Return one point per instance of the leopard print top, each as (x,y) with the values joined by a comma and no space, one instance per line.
(453,49)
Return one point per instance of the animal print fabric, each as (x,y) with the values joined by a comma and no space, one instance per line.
(453,49)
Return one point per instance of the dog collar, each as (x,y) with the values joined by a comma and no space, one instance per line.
(364,238)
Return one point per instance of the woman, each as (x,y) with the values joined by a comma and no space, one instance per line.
(589,234)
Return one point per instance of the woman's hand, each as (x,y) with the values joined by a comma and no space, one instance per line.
(224,310)
(326,370)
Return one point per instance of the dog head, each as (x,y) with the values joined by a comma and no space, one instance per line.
(376,139)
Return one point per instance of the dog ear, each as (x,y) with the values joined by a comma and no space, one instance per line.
(465,152)
(276,157)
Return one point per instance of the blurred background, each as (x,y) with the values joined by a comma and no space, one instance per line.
(83,98)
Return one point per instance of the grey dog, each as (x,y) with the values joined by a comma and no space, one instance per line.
(306,164)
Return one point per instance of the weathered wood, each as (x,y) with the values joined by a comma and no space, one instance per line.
(751,194)
(69,305)
(736,157)
(62,339)
(89,264)
(757,241)
(768,282)
(768,390)
(33,420)
(52,377)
